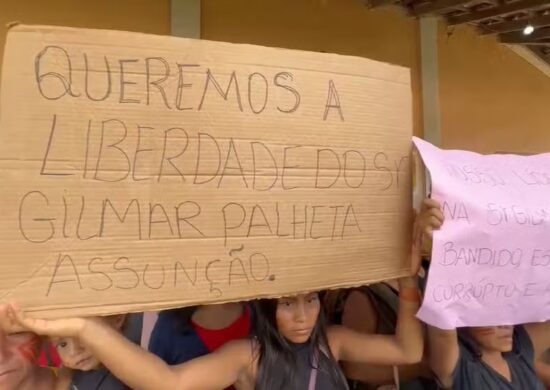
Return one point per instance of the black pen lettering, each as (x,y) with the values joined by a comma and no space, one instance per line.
(182,85)
(333,101)
(55,279)
(287,76)
(157,83)
(87,73)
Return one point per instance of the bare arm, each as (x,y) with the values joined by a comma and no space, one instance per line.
(443,354)
(142,370)
(540,337)
(405,347)
(543,371)
(359,315)
(443,347)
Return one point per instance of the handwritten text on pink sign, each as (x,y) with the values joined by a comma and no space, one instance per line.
(491,260)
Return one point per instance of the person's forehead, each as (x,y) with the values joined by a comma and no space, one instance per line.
(298,296)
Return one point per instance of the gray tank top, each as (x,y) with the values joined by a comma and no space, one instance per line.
(472,374)
(96,380)
(313,371)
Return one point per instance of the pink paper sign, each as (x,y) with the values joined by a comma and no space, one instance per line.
(491,260)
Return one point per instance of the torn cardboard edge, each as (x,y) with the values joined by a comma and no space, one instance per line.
(379,69)
(11,25)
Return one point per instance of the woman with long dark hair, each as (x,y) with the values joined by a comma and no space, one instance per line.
(293,349)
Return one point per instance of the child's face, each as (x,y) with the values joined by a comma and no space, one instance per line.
(76,356)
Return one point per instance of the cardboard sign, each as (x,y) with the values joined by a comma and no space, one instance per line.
(144,172)
(491,260)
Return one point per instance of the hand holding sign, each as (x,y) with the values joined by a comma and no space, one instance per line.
(8,322)
(429,219)
(491,261)
(14,320)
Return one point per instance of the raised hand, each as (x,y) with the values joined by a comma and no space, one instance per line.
(13,320)
(8,324)
(429,218)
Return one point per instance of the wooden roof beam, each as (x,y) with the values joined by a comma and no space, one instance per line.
(515,25)
(534,56)
(526,40)
(437,6)
(534,43)
(539,52)
(519,37)
(509,8)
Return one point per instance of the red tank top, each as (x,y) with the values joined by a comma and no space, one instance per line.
(214,339)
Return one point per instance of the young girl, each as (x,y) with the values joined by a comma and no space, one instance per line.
(293,348)
(81,370)
(493,357)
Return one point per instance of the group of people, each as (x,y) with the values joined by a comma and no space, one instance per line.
(361,338)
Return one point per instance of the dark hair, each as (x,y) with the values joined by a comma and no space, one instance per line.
(333,302)
(277,364)
(466,339)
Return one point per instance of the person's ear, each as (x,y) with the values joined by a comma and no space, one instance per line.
(118,320)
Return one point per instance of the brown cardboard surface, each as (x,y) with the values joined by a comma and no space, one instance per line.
(144,172)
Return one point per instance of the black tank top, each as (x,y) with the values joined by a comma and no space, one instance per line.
(305,361)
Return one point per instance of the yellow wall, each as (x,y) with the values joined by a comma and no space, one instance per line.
(337,26)
(150,16)
(491,99)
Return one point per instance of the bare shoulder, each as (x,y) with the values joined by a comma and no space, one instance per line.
(249,351)
(241,350)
